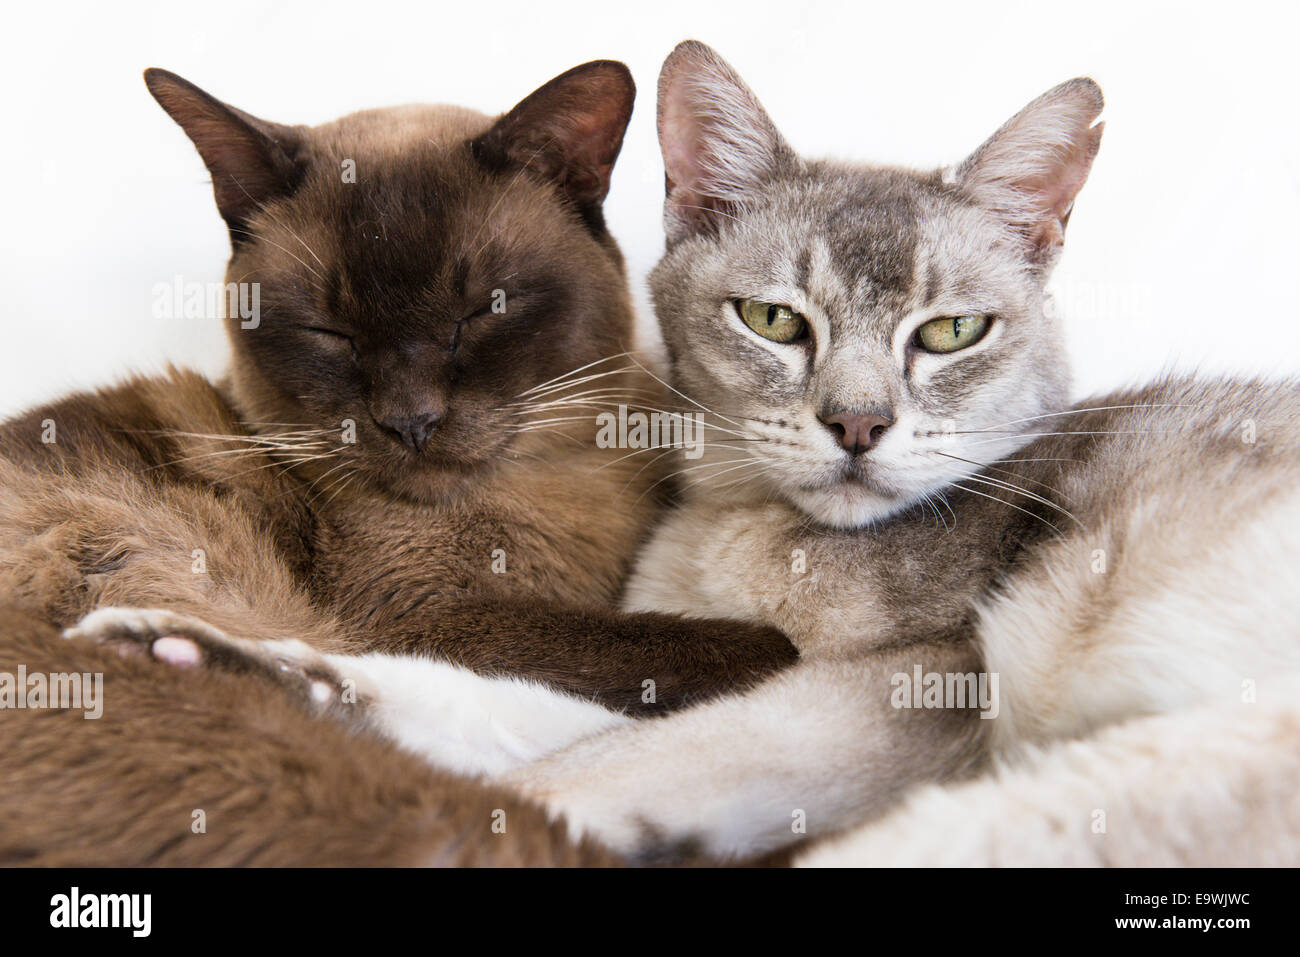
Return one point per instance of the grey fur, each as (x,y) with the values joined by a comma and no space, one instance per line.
(862,251)
(1128,556)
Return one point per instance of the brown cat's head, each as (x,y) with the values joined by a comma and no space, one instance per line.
(417,268)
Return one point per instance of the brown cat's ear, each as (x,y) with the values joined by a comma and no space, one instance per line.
(251,160)
(1031,169)
(569,132)
(718,142)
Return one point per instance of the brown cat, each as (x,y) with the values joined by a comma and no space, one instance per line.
(390,465)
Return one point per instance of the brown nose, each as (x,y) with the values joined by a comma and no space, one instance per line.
(412,431)
(857,432)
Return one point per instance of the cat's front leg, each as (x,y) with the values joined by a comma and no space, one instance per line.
(728,779)
(811,751)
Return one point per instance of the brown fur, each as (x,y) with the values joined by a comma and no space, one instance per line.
(372,301)
(276,787)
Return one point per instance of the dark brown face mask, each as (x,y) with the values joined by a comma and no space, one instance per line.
(417,268)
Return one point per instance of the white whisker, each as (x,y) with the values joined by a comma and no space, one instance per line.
(994,498)
(1098,408)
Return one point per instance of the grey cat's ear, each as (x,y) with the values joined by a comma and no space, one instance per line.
(719,144)
(569,132)
(1031,169)
(251,160)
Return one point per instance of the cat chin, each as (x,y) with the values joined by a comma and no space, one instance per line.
(428,486)
(846,505)
(442,478)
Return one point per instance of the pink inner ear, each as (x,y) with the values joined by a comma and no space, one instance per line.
(718,145)
(1053,199)
(1060,190)
(1040,200)
(1029,172)
(1061,185)
(680,140)
(591,139)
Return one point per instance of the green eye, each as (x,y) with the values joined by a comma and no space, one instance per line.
(771,321)
(949,335)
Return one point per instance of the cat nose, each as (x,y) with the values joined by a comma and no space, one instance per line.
(412,431)
(857,432)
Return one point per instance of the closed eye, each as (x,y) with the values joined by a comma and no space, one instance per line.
(333,340)
(477,314)
(326,333)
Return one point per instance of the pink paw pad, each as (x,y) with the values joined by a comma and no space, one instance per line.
(178,652)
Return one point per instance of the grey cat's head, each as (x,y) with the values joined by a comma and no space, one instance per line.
(856,324)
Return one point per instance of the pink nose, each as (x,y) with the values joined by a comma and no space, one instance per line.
(857,432)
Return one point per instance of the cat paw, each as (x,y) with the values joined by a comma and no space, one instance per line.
(186,642)
(635,833)
(136,632)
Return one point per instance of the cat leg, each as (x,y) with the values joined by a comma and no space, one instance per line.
(472,724)
(641,663)
(807,752)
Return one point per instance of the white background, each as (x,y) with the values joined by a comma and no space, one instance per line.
(1182,251)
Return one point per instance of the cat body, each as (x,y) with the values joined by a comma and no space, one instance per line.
(1089,626)
(1077,645)
(906,493)
(1213,785)
(1075,614)
(1154,604)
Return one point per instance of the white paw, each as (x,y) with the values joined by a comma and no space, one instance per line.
(591,805)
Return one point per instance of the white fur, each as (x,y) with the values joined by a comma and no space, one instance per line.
(466,723)
(1199,626)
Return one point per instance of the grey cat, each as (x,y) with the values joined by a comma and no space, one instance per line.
(971,570)
(893,483)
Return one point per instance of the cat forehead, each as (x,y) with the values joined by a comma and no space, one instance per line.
(415,157)
(862,237)
(398,190)
(414,161)
(396,130)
